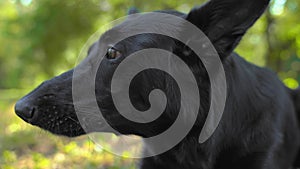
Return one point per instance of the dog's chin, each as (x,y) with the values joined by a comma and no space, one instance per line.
(76,130)
(70,130)
(69,133)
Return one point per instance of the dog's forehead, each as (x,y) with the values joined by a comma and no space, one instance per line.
(152,22)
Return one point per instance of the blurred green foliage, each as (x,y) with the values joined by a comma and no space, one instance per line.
(42,38)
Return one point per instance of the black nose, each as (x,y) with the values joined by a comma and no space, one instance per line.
(24,110)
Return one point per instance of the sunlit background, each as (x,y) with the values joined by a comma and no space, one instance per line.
(42,38)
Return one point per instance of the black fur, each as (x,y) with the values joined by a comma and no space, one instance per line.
(296,97)
(259,128)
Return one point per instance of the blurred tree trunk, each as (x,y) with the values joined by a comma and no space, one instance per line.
(272,55)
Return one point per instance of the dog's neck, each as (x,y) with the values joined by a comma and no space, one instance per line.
(189,153)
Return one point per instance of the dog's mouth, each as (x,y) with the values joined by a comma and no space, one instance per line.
(55,122)
(59,119)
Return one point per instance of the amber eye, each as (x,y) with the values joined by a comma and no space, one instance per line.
(112,53)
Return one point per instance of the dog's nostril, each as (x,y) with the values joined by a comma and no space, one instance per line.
(32,112)
(24,110)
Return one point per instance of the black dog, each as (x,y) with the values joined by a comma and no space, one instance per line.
(259,128)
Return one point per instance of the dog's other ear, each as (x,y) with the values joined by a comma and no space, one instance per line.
(133,10)
(225,21)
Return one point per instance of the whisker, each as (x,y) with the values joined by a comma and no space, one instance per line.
(72,119)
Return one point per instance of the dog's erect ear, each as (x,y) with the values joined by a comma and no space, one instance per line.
(133,10)
(225,21)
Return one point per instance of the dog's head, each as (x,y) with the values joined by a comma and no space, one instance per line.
(50,106)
